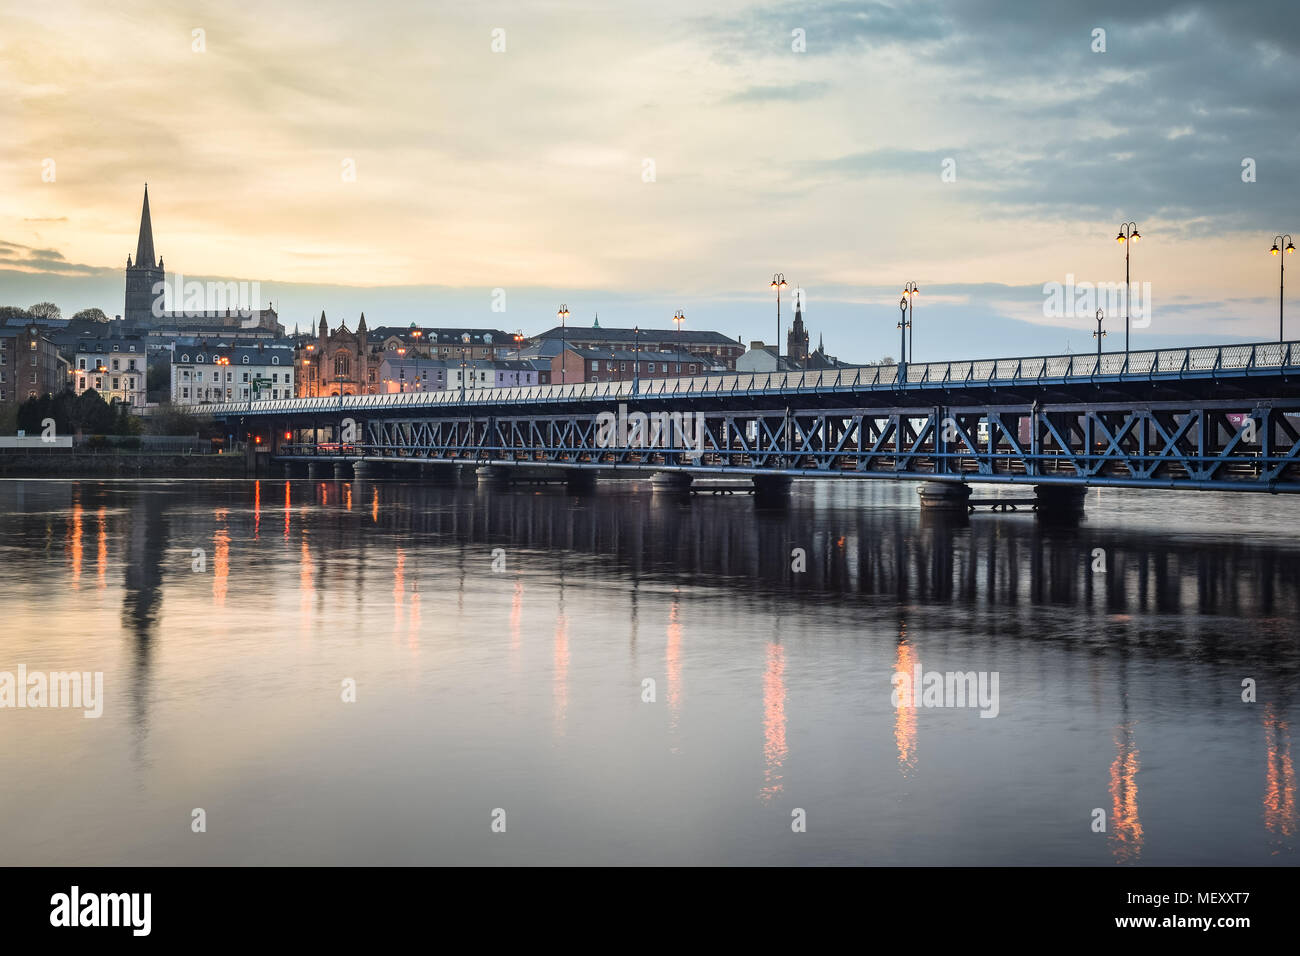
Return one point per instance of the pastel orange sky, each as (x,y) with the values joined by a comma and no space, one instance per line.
(481,169)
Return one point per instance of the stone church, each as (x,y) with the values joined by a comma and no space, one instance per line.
(337,363)
(145,279)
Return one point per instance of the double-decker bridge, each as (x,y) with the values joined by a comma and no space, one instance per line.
(1222,418)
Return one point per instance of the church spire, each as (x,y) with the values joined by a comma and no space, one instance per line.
(144,246)
(361,326)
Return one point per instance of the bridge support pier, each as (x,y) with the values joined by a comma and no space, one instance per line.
(944,496)
(342,470)
(772,487)
(363,470)
(316,469)
(493,475)
(1061,503)
(580,481)
(671,482)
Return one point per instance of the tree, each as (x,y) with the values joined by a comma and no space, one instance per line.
(45,310)
(885,360)
(13,312)
(93,315)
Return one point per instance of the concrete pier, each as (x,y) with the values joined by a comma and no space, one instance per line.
(581,481)
(1060,503)
(363,470)
(316,469)
(493,475)
(772,487)
(944,496)
(342,470)
(671,482)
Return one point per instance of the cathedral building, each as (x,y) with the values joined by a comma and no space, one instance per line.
(146,279)
(796,341)
(336,363)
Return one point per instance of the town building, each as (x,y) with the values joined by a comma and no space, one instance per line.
(575,365)
(411,373)
(115,368)
(231,373)
(712,347)
(30,364)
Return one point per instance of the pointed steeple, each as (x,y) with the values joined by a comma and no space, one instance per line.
(597,325)
(361,326)
(144,246)
(324,326)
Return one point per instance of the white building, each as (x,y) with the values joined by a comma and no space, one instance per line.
(206,373)
(116,368)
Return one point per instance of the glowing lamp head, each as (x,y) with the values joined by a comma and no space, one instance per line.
(1275,250)
(1120,237)
(1137,236)
(1290,248)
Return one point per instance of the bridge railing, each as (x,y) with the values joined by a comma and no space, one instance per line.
(1197,362)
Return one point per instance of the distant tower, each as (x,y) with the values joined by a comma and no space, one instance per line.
(144,274)
(796,342)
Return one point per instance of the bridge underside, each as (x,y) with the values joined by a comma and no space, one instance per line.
(1223,445)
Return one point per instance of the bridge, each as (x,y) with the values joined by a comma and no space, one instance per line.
(1222,418)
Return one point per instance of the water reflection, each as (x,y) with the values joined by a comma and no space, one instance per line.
(1172,614)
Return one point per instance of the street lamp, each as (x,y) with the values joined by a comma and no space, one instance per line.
(678,318)
(910,290)
(636,355)
(564,318)
(903,326)
(778,283)
(1128,234)
(1281,276)
(1099,335)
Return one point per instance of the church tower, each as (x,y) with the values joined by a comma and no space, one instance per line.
(144,274)
(796,342)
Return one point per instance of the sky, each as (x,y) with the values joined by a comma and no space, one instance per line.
(409,160)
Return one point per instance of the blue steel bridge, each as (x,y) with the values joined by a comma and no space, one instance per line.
(1223,418)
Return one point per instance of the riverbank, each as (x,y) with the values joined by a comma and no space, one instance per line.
(108,464)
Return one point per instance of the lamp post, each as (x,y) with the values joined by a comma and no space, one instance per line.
(564,318)
(1128,234)
(903,326)
(1281,276)
(1099,335)
(910,290)
(778,283)
(678,318)
(636,364)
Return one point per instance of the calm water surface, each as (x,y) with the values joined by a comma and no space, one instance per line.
(522,689)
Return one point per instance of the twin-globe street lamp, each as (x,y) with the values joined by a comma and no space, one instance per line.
(909,291)
(1281,278)
(1128,234)
(778,283)
(1099,335)
(563,316)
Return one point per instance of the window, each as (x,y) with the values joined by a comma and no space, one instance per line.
(81,383)
(31,345)
(117,348)
(99,382)
(245,376)
(185,393)
(81,364)
(245,360)
(130,365)
(185,358)
(199,359)
(275,360)
(116,383)
(692,369)
(652,366)
(116,365)
(133,348)
(130,383)
(341,365)
(595,367)
(275,376)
